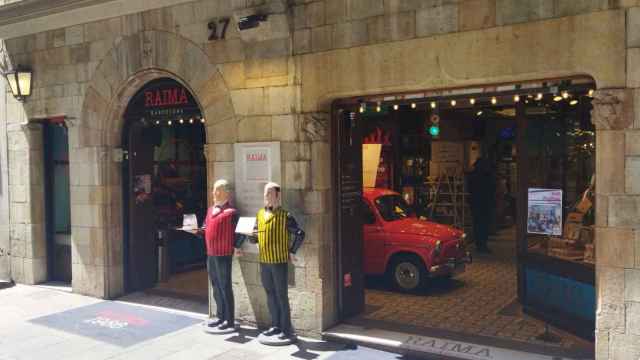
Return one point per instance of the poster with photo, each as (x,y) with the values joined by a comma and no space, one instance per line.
(544,215)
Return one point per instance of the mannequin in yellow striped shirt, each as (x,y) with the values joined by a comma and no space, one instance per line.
(275,227)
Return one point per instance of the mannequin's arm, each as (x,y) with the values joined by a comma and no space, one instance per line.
(297,232)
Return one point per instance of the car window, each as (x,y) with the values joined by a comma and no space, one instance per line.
(367,214)
(393,207)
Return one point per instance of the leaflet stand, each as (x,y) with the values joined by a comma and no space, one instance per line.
(547,336)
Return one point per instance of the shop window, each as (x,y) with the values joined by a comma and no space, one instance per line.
(561,183)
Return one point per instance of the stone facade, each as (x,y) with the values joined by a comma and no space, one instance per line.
(276,83)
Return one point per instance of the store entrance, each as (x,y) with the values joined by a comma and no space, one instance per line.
(57,200)
(454,241)
(164,188)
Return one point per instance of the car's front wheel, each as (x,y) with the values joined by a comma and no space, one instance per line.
(407,273)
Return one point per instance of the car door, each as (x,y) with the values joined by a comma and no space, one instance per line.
(374,240)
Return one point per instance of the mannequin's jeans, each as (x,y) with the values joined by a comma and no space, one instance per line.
(275,281)
(219,269)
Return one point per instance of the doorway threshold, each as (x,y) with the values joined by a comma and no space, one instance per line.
(418,342)
(56,285)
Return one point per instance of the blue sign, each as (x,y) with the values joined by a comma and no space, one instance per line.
(571,297)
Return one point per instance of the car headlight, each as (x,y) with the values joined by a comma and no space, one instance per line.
(438,248)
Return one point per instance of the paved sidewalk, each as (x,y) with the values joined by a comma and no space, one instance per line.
(43,323)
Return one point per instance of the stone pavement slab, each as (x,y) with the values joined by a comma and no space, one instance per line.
(23,336)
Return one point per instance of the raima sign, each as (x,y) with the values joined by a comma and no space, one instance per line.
(163,100)
(165,97)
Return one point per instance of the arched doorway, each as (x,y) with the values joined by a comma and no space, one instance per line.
(164,183)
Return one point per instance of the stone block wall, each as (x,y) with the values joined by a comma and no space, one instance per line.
(321,25)
(617,118)
(5,244)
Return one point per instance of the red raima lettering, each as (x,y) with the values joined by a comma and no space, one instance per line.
(257,157)
(166,97)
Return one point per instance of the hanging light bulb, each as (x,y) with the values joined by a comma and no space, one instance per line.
(378,108)
(565,94)
(169,122)
(453,103)
(557,98)
(539,96)
(413,105)
(157,122)
(472,101)
(202,120)
(395,106)
(181,121)
(591,91)
(191,121)
(573,102)
(516,98)
(361,109)
(479,112)
(494,100)
(433,104)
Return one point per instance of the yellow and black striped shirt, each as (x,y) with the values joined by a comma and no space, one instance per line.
(273,236)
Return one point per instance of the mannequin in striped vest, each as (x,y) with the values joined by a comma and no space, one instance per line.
(279,237)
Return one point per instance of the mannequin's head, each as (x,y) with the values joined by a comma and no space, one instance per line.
(272,195)
(221,192)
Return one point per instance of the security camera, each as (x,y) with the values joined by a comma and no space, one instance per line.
(251,21)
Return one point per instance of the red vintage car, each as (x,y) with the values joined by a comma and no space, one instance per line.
(407,249)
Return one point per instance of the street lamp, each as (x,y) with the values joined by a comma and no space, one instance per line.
(20,82)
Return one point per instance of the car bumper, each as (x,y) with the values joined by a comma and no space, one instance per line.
(451,266)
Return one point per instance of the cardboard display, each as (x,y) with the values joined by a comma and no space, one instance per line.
(370,162)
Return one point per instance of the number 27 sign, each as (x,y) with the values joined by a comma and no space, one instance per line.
(218,28)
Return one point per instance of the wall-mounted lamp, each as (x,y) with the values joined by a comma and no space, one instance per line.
(250,21)
(19,81)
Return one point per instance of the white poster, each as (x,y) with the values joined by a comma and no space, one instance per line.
(255,165)
(544,212)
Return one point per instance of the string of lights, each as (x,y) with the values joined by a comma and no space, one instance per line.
(181,121)
(485,97)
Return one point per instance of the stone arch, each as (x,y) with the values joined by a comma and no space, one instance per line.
(96,191)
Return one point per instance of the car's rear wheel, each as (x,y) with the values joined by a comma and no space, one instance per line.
(407,273)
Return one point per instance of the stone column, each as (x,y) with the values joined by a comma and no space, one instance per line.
(26,193)
(617,223)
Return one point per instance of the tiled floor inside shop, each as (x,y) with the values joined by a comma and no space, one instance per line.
(479,302)
(190,284)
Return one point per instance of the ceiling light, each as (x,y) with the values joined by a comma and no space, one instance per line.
(557,98)
(169,122)
(191,121)
(472,101)
(453,103)
(565,94)
(479,113)
(494,100)
(433,104)
(395,106)
(181,121)
(202,120)
(413,105)
(573,102)
(378,108)
(591,91)
(539,96)
(516,98)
